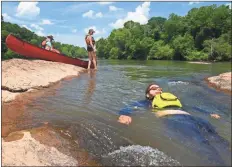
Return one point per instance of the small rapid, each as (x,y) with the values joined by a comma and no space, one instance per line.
(137,155)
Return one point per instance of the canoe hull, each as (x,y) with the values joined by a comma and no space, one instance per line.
(28,50)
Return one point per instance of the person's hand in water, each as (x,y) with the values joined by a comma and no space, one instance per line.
(216,116)
(124,119)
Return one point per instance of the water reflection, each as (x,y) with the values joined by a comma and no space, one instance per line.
(91,85)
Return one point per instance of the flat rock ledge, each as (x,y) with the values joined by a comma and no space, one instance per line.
(44,146)
(29,152)
(221,82)
(20,75)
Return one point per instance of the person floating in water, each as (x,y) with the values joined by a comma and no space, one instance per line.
(47,44)
(157,100)
(189,129)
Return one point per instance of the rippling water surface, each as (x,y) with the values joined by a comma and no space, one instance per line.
(87,107)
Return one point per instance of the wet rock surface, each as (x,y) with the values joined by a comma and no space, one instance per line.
(221,82)
(43,146)
(28,151)
(20,75)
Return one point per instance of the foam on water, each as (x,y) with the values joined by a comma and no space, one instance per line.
(178,83)
(136,155)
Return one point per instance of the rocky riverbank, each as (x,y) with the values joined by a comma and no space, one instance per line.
(20,76)
(221,82)
(43,145)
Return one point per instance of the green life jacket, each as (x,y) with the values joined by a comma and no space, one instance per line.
(165,100)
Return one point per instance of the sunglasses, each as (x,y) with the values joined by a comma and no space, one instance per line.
(153,87)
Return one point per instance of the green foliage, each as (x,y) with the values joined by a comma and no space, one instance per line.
(197,55)
(154,49)
(114,53)
(174,26)
(177,38)
(164,52)
(10,54)
(218,49)
(31,37)
(182,46)
(34,41)
(157,22)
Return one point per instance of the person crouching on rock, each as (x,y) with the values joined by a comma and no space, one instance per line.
(47,43)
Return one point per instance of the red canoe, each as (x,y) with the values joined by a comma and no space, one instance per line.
(28,50)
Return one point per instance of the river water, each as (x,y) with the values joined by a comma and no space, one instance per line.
(87,108)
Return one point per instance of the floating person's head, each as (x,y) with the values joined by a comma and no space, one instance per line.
(152,90)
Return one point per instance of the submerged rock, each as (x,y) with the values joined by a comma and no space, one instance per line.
(137,155)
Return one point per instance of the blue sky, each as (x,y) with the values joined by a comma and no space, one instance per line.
(68,22)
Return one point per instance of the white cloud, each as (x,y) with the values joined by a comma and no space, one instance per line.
(63,26)
(73,39)
(78,8)
(140,15)
(97,38)
(103,31)
(97,32)
(88,14)
(38,30)
(46,22)
(6,17)
(74,30)
(37,27)
(40,33)
(105,3)
(91,14)
(114,8)
(193,2)
(78,38)
(27,9)
(99,14)
(91,27)
(26,27)
(14,20)
(229,4)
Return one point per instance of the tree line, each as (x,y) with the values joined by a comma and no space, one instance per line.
(31,37)
(203,34)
